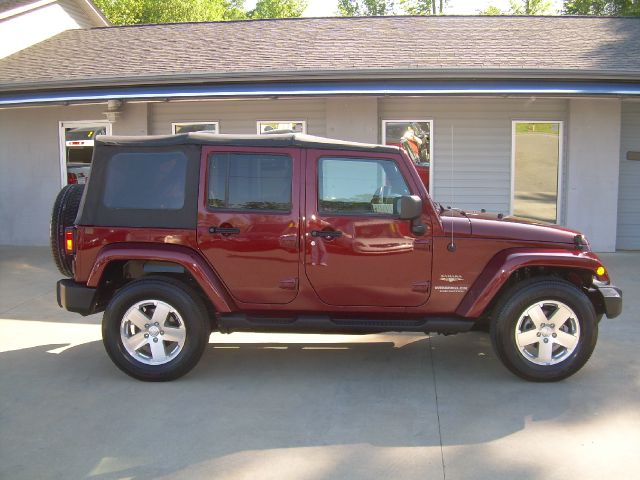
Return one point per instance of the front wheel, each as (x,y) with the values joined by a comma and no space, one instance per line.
(544,330)
(155,329)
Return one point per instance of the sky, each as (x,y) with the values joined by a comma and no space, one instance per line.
(324,8)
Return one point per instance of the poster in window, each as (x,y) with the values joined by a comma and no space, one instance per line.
(413,136)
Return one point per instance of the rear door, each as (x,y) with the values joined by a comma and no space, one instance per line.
(248,222)
(357,251)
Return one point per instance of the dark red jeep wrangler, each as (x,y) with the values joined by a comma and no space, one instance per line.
(181,235)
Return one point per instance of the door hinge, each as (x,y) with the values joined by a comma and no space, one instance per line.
(422,244)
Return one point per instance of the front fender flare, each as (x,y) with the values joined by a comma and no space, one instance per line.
(191,260)
(504,263)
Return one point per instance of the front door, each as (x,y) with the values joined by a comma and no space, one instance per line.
(357,251)
(248,225)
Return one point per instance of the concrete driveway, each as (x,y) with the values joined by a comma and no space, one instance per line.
(306,407)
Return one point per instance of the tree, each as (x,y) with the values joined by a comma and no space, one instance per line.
(129,12)
(529,7)
(355,8)
(366,8)
(602,7)
(423,7)
(418,7)
(491,10)
(278,9)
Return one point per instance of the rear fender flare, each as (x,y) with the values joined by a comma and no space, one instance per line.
(505,263)
(191,260)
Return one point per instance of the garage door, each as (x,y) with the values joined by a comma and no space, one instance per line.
(629,196)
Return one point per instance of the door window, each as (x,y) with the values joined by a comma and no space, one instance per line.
(359,186)
(247,181)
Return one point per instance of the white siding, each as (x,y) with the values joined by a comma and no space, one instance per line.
(481,143)
(629,190)
(239,116)
(22,31)
(592,173)
(30,169)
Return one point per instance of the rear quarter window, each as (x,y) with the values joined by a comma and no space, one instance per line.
(142,186)
(147,181)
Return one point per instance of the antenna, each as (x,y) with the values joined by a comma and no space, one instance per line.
(452,246)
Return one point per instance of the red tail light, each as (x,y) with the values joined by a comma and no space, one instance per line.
(69,240)
(72,178)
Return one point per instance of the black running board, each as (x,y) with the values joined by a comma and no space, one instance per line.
(324,324)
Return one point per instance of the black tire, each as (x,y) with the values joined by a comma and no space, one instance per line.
(513,311)
(63,215)
(189,309)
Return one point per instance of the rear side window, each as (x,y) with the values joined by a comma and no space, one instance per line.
(248,181)
(146,181)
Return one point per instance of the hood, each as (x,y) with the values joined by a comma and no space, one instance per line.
(492,225)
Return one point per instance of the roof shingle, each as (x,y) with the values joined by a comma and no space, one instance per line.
(343,47)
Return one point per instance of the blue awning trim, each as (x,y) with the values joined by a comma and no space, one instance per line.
(324,89)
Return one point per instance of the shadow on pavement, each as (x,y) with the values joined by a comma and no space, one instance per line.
(331,407)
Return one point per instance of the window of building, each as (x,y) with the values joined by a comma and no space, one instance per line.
(186,127)
(412,135)
(76,148)
(536,170)
(247,181)
(297,126)
(359,186)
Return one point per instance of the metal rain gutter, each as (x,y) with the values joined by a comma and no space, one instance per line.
(303,89)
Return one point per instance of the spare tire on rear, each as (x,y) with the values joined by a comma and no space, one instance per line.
(63,215)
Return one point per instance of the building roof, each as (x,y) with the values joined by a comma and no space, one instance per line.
(10,8)
(6,5)
(338,48)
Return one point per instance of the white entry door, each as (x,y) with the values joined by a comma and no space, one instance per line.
(76,148)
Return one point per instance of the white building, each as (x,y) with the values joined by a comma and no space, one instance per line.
(538,116)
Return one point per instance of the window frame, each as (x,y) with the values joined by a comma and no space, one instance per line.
(202,122)
(303,122)
(254,211)
(561,161)
(432,141)
(355,214)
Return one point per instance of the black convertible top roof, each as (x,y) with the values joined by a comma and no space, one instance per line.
(271,140)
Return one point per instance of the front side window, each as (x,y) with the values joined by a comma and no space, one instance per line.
(146,181)
(296,126)
(248,181)
(536,170)
(359,186)
(186,127)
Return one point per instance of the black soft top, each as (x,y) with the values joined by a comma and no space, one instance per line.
(269,140)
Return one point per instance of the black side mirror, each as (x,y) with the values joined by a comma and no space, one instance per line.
(409,207)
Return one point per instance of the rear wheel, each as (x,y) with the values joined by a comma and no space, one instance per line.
(155,329)
(63,215)
(544,330)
